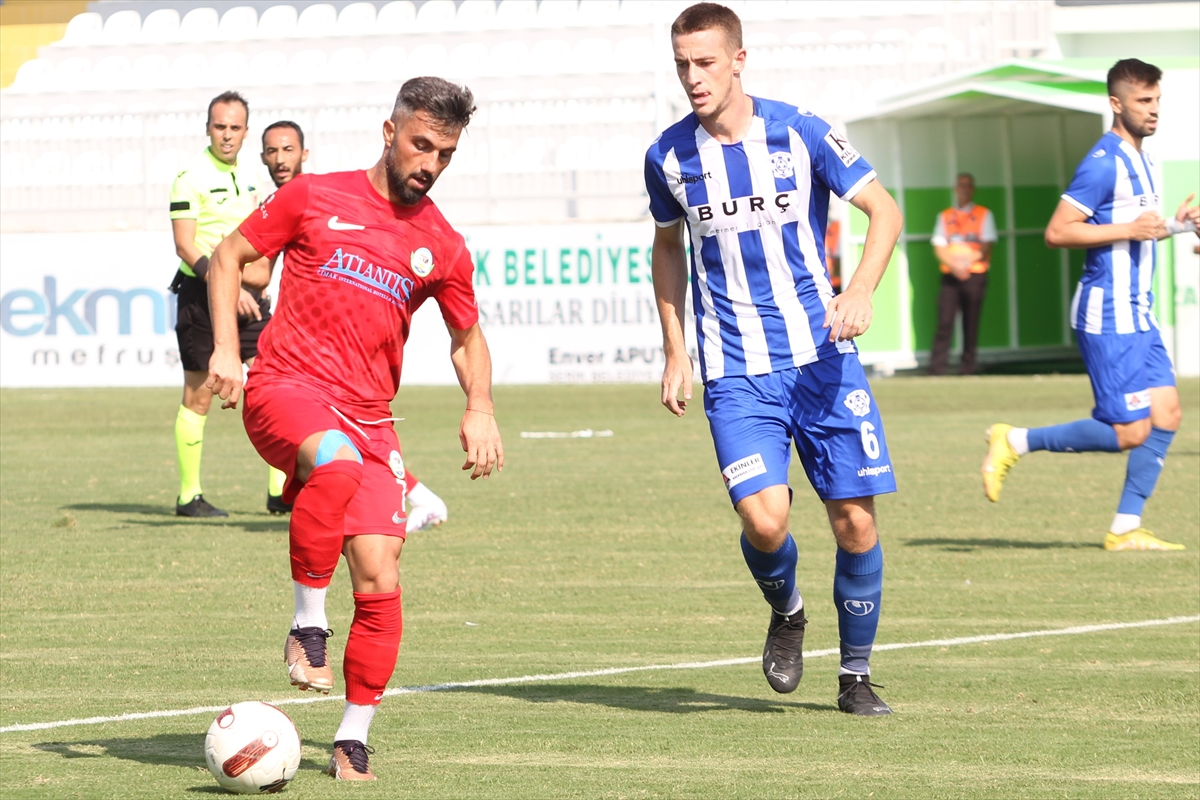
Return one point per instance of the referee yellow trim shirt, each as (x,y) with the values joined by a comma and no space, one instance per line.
(215,194)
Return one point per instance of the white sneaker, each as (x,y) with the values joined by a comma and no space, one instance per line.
(429,515)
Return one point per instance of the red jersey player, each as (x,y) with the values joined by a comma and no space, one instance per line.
(365,249)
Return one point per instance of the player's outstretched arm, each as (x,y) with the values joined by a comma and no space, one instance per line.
(224,290)
(478,433)
(1069,228)
(668,265)
(849,314)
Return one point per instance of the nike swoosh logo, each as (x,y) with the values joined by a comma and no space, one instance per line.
(334,225)
(396,517)
(193,444)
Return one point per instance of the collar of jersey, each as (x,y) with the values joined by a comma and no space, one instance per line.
(218,163)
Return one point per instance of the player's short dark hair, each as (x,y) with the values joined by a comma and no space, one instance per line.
(1131,70)
(450,105)
(283,123)
(966,175)
(707,17)
(227,97)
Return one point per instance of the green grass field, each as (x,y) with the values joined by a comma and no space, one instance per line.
(595,554)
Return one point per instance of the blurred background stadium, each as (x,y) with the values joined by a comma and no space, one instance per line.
(104,102)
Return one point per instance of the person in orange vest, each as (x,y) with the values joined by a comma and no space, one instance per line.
(962,239)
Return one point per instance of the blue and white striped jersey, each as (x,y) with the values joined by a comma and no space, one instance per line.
(756,211)
(1115,184)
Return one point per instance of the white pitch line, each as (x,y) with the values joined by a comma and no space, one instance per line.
(563,676)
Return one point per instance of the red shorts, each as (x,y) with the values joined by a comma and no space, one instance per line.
(281,413)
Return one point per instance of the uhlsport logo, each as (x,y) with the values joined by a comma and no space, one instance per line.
(859,608)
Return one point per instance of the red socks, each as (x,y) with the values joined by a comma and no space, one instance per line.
(319,521)
(372,647)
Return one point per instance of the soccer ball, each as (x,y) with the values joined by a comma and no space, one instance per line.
(252,748)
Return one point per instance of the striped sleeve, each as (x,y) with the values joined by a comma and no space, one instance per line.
(1093,183)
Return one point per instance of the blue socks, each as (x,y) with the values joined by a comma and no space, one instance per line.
(1080,436)
(1141,474)
(857,588)
(775,574)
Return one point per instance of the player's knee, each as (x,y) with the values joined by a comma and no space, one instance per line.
(335,446)
(1133,434)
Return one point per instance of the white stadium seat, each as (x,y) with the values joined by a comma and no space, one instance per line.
(549,56)
(557,13)
(428,59)
(228,70)
(517,13)
(111,72)
(436,14)
(277,22)
(396,17)
(349,64)
(356,19)
(598,12)
(127,168)
(592,56)
(635,54)
(267,68)
(122,27)
(199,25)
(72,74)
(238,23)
(160,25)
(476,14)
(510,58)
(318,20)
(387,63)
(805,38)
(151,71)
(307,66)
(83,29)
(890,35)
(34,75)
(637,12)
(468,60)
(190,69)
(848,36)
(16,169)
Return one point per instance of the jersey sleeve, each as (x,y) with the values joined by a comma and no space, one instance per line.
(989,227)
(185,197)
(1093,182)
(456,294)
(276,223)
(939,232)
(836,163)
(663,206)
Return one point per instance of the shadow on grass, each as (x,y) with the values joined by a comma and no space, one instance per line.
(166,749)
(645,698)
(123,508)
(271,523)
(967,545)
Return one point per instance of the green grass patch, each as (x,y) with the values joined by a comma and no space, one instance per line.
(589,554)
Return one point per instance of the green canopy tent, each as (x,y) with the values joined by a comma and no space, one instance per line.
(1020,128)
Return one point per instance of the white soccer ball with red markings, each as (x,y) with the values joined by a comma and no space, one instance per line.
(252,748)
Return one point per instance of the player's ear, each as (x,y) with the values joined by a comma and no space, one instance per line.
(389,132)
(303,156)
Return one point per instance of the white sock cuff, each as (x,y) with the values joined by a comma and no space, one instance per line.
(310,606)
(356,723)
(1124,523)
(1018,439)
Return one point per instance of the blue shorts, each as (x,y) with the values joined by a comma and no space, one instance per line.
(825,407)
(1123,368)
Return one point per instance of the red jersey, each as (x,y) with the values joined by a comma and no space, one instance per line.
(357,268)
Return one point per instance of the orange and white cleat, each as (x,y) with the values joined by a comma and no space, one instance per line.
(349,761)
(307,663)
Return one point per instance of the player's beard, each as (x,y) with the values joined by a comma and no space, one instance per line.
(398,184)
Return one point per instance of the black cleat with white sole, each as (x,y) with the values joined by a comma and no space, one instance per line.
(198,507)
(856,695)
(783,661)
(275,505)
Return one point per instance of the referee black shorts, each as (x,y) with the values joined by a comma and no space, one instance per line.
(193,327)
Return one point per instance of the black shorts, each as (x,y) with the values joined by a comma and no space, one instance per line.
(193,327)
